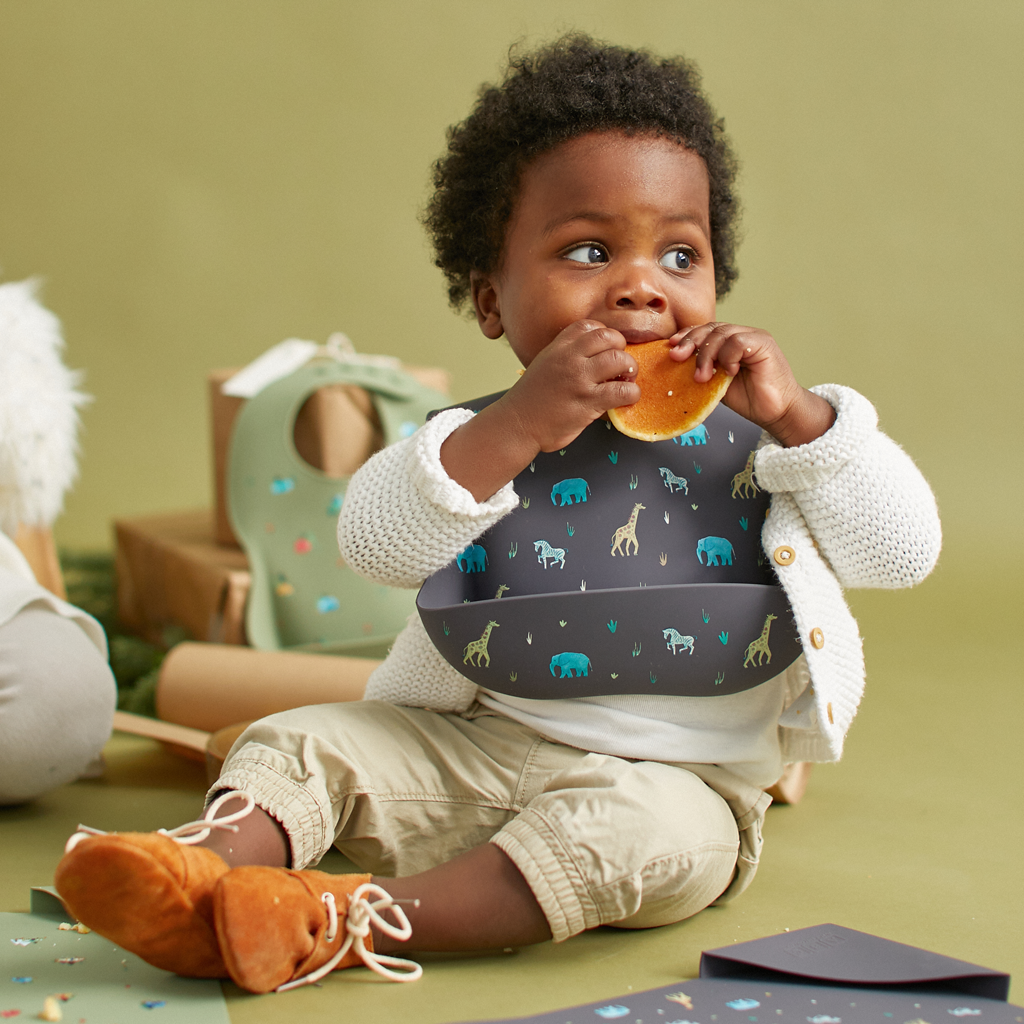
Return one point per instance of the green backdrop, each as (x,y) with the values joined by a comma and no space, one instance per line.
(197,180)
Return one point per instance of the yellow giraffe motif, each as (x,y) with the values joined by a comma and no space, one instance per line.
(479,647)
(501,590)
(759,647)
(626,534)
(743,485)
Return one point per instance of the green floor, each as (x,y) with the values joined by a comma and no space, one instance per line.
(917,835)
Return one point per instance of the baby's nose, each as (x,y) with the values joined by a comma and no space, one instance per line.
(641,297)
(637,288)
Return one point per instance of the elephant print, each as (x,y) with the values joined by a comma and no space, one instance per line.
(699,435)
(572,490)
(718,550)
(474,557)
(570,663)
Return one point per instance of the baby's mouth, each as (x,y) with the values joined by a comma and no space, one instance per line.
(641,337)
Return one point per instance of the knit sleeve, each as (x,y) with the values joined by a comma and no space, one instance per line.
(415,674)
(869,510)
(404,518)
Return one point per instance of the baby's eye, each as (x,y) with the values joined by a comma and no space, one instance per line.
(677,259)
(587,254)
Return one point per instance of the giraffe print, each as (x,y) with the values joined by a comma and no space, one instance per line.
(743,485)
(759,647)
(627,534)
(478,648)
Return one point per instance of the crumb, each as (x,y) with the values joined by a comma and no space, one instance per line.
(51,1010)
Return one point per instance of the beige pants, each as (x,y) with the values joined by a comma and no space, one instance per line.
(600,840)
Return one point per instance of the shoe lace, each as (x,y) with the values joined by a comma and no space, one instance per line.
(361,914)
(191,832)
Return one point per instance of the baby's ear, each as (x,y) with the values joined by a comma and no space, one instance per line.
(486,304)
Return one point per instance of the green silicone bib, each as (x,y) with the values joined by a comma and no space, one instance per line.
(285,513)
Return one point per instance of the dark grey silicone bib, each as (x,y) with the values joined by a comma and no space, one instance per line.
(628,567)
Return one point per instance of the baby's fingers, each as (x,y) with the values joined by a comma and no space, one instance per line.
(616,393)
(705,340)
(738,348)
(728,346)
(613,364)
(682,349)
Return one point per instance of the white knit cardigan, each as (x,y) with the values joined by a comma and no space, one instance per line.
(851,506)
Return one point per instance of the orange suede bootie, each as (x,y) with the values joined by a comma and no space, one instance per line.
(280,928)
(151,892)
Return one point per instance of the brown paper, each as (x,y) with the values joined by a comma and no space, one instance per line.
(336,431)
(170,573)
(210,686)
(178,739)
(37,545)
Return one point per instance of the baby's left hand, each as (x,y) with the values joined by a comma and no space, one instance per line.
(765,390)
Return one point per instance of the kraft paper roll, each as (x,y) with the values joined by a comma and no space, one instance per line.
(209,686)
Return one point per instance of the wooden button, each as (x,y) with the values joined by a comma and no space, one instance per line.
(784,555)
(817,638)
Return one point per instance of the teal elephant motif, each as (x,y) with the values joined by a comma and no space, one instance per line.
(699,435)
(474,557)
(571,664)
(571,491)
(718,550)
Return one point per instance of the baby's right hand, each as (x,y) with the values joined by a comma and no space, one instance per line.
(579,376)
(585,371)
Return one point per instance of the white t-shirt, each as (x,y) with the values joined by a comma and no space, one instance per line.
(737,729)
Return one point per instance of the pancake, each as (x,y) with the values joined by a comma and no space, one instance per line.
(671,402)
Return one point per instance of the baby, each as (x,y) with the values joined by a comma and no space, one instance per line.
(584,208)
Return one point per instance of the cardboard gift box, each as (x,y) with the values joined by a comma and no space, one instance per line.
(336,431)
(173,576)
(184,571)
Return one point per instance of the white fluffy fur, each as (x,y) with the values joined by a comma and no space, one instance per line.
(38,411)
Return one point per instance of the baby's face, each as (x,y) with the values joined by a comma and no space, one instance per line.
(606,228)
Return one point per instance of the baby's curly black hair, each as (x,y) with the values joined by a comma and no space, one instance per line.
(572,87)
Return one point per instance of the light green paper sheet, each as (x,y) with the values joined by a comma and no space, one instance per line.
(107,986)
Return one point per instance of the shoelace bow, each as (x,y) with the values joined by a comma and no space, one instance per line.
(191,832)
(361,913)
